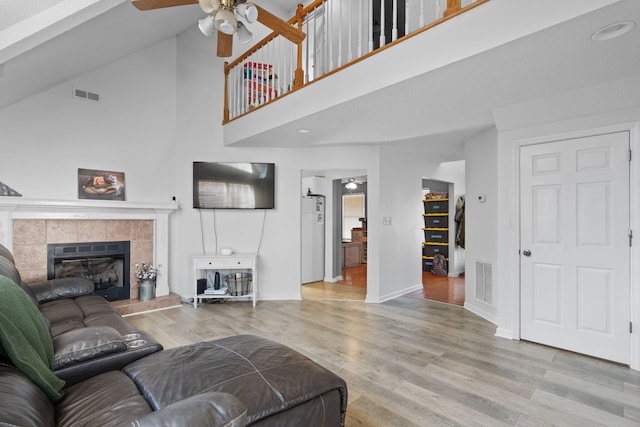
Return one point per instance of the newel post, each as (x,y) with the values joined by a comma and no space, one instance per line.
(299,76)
(452,7)
(225,118)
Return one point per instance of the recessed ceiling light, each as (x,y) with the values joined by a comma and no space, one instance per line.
(304,130)
(612,31)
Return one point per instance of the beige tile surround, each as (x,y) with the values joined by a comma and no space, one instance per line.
(30,239)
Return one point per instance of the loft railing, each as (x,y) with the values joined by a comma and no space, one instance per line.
(338,34)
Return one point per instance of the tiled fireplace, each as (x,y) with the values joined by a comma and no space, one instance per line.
(28,226)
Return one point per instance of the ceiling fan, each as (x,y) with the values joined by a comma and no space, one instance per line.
(226,16)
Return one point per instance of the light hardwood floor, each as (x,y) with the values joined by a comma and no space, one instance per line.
(413,362)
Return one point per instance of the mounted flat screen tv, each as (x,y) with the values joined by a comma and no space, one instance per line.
(240,185)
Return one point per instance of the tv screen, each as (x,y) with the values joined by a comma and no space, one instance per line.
(240,185)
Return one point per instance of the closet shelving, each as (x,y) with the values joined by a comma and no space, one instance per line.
(436,230)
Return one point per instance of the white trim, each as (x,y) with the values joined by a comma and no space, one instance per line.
(393,295)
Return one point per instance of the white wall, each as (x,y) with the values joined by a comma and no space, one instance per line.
(46,138)
(481,217)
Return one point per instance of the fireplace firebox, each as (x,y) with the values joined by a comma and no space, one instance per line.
(107,264)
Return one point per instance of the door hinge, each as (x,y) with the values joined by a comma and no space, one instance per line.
(630,155)
(630,327)
(630,238)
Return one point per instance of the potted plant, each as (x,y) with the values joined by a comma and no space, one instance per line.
(146,275)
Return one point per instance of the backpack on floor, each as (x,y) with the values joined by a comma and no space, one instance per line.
(439,265)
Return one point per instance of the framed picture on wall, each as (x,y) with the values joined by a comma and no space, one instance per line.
(101,185)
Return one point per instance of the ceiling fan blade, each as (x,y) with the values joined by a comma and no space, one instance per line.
(159,4)
(278,25)
(225,44)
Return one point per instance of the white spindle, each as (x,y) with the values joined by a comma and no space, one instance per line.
(330,33)
(360,27)
(340,34)
(382,24)
(439,12)
(371,25)
(422,13)
(407,14)
(350,29)
(394,29)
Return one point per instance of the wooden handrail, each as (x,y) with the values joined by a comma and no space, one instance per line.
(454,8)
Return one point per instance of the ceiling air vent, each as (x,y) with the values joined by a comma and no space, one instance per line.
(86,95)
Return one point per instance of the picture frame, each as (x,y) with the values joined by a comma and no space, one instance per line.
(101,185)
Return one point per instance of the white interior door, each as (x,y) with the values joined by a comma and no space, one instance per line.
(575,279)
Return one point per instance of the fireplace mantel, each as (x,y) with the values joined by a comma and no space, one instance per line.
(12,208)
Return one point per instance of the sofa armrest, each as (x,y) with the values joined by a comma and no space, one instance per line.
(68,287)
(203,410)
(79,345)
(143,345)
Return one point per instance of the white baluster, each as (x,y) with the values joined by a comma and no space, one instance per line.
(360,26)
(382,24)
(407,15)
(339,34)
(350,28)
(371,25)
(394,29)
(330,33)
(439,12)
(422,13)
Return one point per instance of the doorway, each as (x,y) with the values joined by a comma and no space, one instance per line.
(441,233)
(345,235)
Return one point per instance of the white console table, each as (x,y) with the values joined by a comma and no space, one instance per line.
(225,264)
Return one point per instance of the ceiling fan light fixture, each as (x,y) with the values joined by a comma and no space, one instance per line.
(226,20)
(249,11)
(351,185)
(209,6)
(244,35)
(207,26)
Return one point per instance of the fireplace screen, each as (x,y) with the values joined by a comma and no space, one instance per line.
(106,264)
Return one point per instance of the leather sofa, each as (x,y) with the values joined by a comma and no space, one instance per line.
(89,335)
(234,381)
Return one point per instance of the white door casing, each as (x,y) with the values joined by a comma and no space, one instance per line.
(575,284)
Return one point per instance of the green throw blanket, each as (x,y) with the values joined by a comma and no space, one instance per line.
(25,338)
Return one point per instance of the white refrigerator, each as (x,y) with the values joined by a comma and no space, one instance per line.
(313,219)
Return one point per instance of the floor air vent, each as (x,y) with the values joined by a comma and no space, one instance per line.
(484,281)
(83,94)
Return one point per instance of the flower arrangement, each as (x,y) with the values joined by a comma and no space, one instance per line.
(145,271)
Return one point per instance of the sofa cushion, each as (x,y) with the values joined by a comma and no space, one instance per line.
(68,287)
(202,410)
(23,402)
(106,399)
(25,338)
(60,311)
(6,253)
(84,344)
(267,377)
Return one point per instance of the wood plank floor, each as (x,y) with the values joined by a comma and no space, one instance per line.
(413,362)
(449,290)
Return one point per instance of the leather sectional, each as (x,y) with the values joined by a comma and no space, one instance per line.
(115,375)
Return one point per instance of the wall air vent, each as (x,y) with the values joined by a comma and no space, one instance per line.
(86,95)
(484,281)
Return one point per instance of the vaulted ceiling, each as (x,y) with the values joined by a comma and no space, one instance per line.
(46,42)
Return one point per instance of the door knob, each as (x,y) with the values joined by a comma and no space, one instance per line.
(526,252)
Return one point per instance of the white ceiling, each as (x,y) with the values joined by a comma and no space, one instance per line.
(46,42)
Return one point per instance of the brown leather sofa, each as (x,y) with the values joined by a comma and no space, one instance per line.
(89,335)
(235,381)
